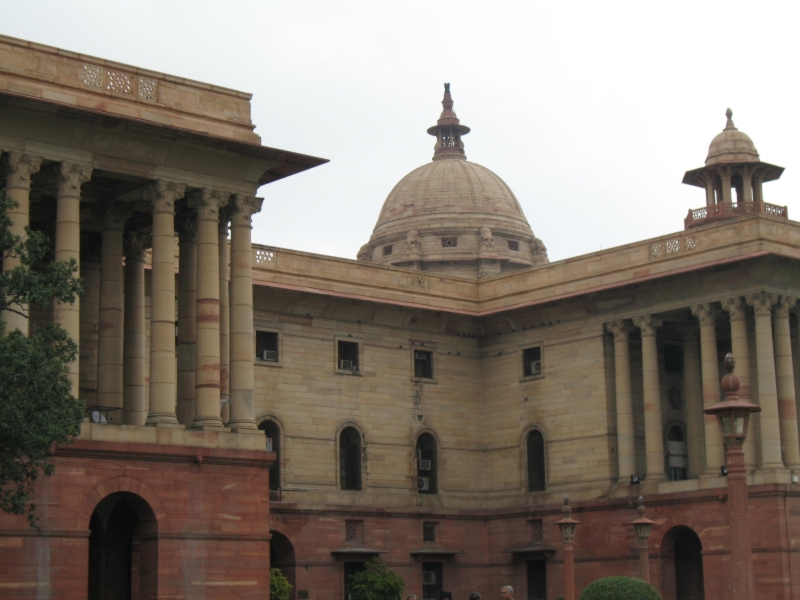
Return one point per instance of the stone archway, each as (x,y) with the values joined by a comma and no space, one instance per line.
(682,577)
(281,556)
(123,549)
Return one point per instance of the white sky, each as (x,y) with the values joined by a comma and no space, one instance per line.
(590,111)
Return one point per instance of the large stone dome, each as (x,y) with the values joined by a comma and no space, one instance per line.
(453,216)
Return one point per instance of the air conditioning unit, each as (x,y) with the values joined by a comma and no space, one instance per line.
(98,417)
(424,465)
(419,454)
(347,365)
(270,355)
(429,578)
(536,367)
(423,484)
(421,355)
(269,444)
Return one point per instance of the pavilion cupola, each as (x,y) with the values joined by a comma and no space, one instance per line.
(448,131)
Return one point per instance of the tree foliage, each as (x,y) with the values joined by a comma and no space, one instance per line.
(279,586)
(37,409)
(377,582)
(619,588)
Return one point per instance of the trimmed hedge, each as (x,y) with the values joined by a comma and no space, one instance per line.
(620,588)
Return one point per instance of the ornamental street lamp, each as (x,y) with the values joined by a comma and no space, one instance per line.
(733,416)
(567,525)
(642,526)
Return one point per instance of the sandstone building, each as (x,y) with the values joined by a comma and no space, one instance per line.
(430,403)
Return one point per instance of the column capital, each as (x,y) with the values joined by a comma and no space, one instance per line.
(69,177)
(243,207)
(706,313)
(784,305)
(224,220)
(187,226)
(620,328)
(19,168)
(162,194)
(735,306)
(647,323)
(135,244)
(207,202)
(113,213)
(762,302)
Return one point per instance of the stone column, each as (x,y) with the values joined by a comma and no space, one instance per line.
(725,176)
(207,203)
(709,192)
(707,314)
(163,375)
(653,428)
(758,195)
(626,446)
(693,392)
(19,169)
(784,370)
(134,411)
(762,304)
(68,178)
(187,314)
(112,297)
(747,184)
(740,348)
(242,209)
(224,319)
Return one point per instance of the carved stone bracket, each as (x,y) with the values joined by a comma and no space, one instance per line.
(648,324)
(735,307)
(186,221)
(69,177)
(706,313)
(242,208)
(113,212)
(620,328)
(762,302)
(163,194)
(135,244)
(207,203)
(19,168)
(365,253)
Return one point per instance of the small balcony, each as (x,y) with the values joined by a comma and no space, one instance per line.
(720,212)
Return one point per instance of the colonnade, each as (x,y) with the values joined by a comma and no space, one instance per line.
(189,385)
(773,446)
(719,183)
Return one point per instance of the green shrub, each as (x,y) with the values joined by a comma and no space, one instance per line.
(378,582)
(279,586)
(620,588)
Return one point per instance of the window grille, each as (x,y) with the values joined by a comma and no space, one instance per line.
(449,242)
(513,246)
(387,250)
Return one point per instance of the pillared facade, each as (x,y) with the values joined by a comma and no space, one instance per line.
(430,403)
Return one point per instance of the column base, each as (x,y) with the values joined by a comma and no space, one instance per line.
(240,429)
(175,425)
(208,427)
(243,425)
(159,419)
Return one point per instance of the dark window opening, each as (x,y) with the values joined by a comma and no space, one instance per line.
(352,531)
(673,359)
(423,364)
(431,581)
(532,361)
(273,434)
(350,459)
(449,242)
(513,246)
(426,464)
(677,454)
(537,530)
(536,474)
(537,580)
(267,346)
(348,356)
(350,569)
(429,532)
(387,250)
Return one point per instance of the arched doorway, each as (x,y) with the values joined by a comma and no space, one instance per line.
(683,572)
(281,556)
(123,549)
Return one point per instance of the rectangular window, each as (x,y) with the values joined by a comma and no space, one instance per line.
(537,530)
(429,532)
(347,356)
(431,581)
(352,531)
(423,364)
(537,580)
(673,359)
(532,361)
(513,246)
(387,250)
(449,242)
(267,346)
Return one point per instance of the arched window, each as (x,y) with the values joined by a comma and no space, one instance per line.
(677,459)
(426,464)
(273,433)
(350,459)
(536,473)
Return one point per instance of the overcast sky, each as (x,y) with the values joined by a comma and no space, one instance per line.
(590,111)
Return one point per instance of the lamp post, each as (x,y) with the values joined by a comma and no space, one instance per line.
(733,416)
(642,526)
(567,526)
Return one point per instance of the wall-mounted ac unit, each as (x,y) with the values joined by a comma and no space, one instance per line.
(536,367)
(269,444)
(424,465)
(429,578)
(423,484)
(347,365)
(270,355)
(421,355)
(419,454)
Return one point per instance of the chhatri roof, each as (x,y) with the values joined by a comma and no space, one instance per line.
(731,146)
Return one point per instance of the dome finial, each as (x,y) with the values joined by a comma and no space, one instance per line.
(448,131)
(729,126)
(446,88)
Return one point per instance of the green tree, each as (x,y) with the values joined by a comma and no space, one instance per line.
(279,586)
(377,582)
(619,588)
(37,410)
